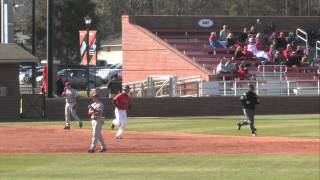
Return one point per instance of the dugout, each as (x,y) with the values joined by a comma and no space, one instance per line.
(11,56)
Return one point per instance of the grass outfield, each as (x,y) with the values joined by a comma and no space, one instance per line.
(159,167)
(176,167)
(307,126)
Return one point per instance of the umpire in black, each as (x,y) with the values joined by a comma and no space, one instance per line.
(249,100)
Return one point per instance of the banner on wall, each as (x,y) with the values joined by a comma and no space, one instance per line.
(83,37)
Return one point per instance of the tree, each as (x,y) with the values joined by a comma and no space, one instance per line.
(68,20)
(106,14)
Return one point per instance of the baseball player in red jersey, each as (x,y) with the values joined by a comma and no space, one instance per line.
(122,102)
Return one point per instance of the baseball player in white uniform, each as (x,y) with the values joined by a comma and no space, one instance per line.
(70,107)
(95,113)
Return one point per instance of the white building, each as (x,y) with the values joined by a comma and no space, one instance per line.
(111,51)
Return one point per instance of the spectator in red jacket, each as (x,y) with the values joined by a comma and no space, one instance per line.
(288,51)
(242,72)
(247,54)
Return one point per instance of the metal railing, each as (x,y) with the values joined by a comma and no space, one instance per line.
(317,49)
(302,35)
(272,70)
(165,86)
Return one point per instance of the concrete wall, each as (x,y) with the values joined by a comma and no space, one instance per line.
(144,54)
(206,106)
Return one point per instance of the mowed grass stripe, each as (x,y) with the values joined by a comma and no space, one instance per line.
(154,167)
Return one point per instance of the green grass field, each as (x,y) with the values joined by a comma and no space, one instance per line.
(161,166)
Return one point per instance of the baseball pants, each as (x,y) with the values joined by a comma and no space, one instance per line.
(120,121)
(96,134)
(70,110)
(249,114)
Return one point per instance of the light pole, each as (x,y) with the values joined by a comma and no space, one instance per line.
(88,21)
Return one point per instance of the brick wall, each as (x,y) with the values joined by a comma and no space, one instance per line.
(145,55)
(204,106)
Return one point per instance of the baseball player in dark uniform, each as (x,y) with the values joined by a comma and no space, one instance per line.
(249,100)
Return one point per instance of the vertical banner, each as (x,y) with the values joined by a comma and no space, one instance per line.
(44,87)
(83,37)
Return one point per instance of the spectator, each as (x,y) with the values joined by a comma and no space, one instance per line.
(229,67)
(288,51)
(272,52)
(213,41)
(259,26)
(243,37)
(252,46)
(238,53)
(246,53)
(281,41)
(307,59)
(59,86)
(221,68)
(293,60)
(271,28)
(242,73)
(260,44)
(231,41)
(278,58)
(224,33)
(291,38)
(252,31)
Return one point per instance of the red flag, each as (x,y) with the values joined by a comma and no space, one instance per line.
(44,87)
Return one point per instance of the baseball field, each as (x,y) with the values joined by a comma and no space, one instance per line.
(287,148)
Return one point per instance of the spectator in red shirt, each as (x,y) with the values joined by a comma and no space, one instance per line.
(246,53)
(243,72)
(122,102)
(287,52)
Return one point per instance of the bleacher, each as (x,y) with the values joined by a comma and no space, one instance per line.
(194,44)
(181,41)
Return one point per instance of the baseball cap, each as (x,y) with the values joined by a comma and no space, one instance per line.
(251,86)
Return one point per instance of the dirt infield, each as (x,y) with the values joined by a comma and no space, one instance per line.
(53,139)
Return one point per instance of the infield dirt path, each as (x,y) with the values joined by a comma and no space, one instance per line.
(53,139)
